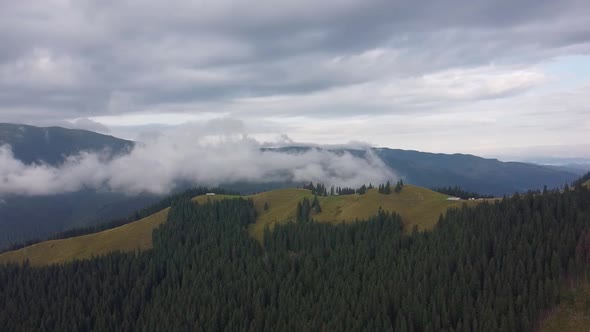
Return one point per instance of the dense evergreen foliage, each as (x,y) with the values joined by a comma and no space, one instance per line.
(494,267)
(305,209)
(456,191)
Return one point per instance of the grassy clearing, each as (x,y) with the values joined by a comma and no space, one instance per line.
(587,183)
(133,236)
(572,314)
(417,206)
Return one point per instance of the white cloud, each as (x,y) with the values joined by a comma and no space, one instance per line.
(88,124)
(157,165)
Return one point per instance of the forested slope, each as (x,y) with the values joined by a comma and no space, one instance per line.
(494,267)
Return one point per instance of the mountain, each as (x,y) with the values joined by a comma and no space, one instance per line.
(52,145)
(579,169)
(471,173)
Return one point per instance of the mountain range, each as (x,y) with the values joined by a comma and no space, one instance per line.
(23,218)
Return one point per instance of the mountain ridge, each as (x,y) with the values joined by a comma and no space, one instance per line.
(52,145)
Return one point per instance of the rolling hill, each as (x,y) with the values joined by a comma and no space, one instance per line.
(417,206)
(133,236)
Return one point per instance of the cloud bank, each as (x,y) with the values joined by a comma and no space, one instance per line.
(161,163)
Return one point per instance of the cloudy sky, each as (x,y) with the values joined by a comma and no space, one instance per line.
(498,78)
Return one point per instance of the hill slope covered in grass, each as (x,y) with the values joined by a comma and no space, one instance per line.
(417,206)
(133,236)
(573,312)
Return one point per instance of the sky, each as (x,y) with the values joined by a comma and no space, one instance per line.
(505,78)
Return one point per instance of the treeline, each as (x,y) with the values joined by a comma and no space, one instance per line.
(494,267)
(317,189)
(456,191)
(135,216)
(386,188)
(321,190)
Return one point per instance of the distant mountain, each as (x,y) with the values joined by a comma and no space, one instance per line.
(53,144)
(579,169)
(472,173)
(24,218)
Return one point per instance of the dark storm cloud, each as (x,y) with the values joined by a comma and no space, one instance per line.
(68,59)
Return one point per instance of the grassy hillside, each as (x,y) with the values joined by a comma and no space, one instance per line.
(417,206)
(572,314)
(133,236)
(587,183)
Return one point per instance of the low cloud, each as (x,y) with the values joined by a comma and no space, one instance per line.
(158,165)
(88,124)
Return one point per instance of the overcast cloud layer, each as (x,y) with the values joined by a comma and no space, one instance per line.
(485,77)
